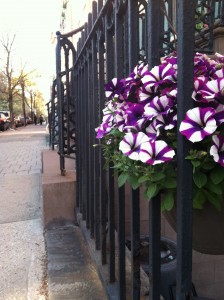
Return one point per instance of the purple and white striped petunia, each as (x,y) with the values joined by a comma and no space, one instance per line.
(214,90)
(158,106)
(167,121)
(219,116)
(152,130)
(134,116)
(130,145)
(157,152)
(114,88)
(198,123)
(140,70)
(217,150)
(103,129)
(161,74)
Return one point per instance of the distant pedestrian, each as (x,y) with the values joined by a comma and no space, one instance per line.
(41,119)
(35,119)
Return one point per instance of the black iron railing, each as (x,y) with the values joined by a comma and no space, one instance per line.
(117,35)
(65,58)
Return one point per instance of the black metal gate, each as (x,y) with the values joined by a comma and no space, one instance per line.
(117,36)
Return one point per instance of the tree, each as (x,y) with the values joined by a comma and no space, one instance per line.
(11,81)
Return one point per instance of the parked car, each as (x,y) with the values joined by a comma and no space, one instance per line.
(19,121)
(4,122)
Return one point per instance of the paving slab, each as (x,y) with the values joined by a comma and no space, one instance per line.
(21,198)
(22,254)
(22,244)
(72,274)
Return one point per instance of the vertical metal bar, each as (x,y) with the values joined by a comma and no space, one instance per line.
(100,5)
(221,8)
(133,35)
(119,56)
(103,201)
(52,127)
(87,144)
(79,141)
(111,210)
(91,135)
(185,13)
(83,135)
(154,45)
(119,44)
(60,109)
(135,244)
(76,102)
(154,247)
(121,244)
(96,122)
(67,98)
(154,32)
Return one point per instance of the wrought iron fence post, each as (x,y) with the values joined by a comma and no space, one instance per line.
(154,44)
(60,105)
(185,13)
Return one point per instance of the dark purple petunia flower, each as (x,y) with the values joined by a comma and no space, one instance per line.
(159,75)
(134,116)
(198,123)
(157,107)
(103,129)
(140,70)
(157,152)
(217,150)
(214,90)
(130,145)
(167,121)
(114,88)
(219,115)
(152,130)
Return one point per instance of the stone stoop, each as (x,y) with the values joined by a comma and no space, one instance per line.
(72,273)
(58,192)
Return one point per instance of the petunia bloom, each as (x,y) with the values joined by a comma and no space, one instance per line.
(217,150)
(198,123)
(114,88)
(157,152)
(158,106)
(130,145)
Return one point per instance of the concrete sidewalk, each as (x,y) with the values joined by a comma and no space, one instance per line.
(22,246)
(38,264)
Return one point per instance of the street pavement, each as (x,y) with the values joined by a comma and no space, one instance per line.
(23,274)
(36,264)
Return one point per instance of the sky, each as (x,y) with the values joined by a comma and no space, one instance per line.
(34,22)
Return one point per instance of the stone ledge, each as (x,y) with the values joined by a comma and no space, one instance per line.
(58,192)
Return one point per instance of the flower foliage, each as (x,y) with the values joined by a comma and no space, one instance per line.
(139,129)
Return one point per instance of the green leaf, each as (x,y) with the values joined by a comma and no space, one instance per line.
(133,180)
(143,178)
(208,165)
(151,191)
(118,166)
(214,188)
(170,171)
(196,163)
(217,175)
(168,201)
(198,200)
(122,178)
(200,179)
(170,182)
(157,177)
(213,199)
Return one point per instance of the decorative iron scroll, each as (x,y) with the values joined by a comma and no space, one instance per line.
(53,117)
